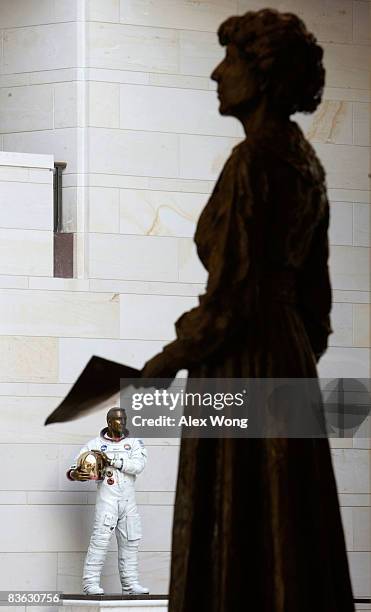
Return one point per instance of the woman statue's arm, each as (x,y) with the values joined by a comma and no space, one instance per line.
(315,293)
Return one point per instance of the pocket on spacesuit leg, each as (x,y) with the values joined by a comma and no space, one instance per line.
(102,531)
(133,527)
(109,521)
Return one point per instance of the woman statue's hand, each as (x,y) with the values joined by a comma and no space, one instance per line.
(162,365)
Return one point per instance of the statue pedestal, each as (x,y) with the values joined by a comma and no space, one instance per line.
(114,603)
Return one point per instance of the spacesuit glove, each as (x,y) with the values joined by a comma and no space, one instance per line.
(117,463)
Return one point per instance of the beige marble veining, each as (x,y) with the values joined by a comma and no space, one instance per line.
(332,122)
(159,213)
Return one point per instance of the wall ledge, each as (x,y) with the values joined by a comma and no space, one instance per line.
(26,160)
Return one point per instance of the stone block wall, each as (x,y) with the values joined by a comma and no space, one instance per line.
(120,90)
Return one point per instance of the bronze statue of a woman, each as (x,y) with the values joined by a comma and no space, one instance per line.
(256,522)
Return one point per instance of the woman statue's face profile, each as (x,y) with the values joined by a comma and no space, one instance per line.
(237,84)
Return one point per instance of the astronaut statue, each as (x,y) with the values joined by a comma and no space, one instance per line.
(114,460)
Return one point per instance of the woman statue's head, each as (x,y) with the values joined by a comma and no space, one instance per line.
(269,55)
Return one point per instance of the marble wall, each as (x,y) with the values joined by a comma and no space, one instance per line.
(121,92)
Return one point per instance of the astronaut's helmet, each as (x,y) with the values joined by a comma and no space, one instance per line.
(92,461)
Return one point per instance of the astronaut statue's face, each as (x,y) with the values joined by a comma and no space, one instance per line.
(116,421)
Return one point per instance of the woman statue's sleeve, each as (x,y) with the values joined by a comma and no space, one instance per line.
(314,290)
(222,239)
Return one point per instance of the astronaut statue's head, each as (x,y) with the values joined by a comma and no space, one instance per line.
(116,422)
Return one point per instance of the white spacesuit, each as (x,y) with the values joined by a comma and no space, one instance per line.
(116,509)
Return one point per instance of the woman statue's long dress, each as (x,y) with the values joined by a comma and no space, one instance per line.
(256,522)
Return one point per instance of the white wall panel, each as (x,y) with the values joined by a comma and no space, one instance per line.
(152,317)
(203,157)
(74,353)
(104,105)
(133,257)
(42,47)
(16,13)
(59,313)
(109,10)
(169,109)
(67,528)
(132,48)
(27,206)
(26,252)
(28,571)
(62,143)
(204,16)
(133,153)
(26,108)
(28,359)
(350,268)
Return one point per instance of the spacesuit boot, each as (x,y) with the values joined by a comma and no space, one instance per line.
(128,568)
(93,590)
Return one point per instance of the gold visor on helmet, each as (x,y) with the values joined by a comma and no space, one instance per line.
(92,461)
